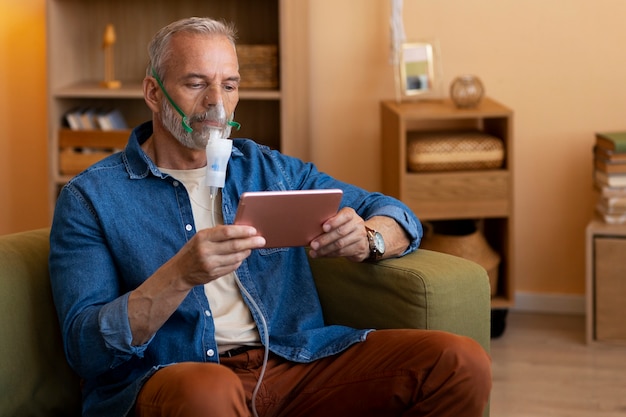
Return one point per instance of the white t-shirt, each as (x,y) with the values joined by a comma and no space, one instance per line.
(234,325)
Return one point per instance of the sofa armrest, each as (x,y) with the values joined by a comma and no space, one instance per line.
(35,379)
(424,290)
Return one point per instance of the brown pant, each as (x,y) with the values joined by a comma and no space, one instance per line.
(393,373)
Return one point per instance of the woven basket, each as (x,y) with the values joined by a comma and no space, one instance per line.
(452,151)
(258,66)
(463,239)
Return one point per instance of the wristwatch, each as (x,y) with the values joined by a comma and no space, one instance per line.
(377,243)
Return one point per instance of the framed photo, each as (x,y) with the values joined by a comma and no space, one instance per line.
(418,75)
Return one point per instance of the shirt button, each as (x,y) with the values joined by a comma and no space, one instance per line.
(175,183)
(188,227)
(208,313)
(210,353)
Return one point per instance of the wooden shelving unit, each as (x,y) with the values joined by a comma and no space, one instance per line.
(604,281)
(486,195)
(275,117)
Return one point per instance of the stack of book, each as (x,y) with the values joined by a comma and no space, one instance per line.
(609,164)
(88,118)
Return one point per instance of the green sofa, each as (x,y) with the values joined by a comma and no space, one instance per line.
(423,290)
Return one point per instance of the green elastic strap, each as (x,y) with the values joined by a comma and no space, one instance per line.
(185,121)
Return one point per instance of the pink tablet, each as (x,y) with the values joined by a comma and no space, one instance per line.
(288,218)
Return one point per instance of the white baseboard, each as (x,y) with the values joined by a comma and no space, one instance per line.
(549,303)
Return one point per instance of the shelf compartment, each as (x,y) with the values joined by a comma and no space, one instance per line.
(81,148)
(110,139)
(72,162)
(463,194)
(458,185)
(258,66)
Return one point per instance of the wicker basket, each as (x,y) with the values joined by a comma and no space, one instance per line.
(452,151)
(258,66)
(463,239)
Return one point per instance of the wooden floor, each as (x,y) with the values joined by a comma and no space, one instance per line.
(543,368)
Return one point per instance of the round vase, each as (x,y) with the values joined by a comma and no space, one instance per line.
(466,91)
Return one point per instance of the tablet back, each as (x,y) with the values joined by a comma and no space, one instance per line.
(288,218)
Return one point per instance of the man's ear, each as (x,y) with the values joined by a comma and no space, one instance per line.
(152,94)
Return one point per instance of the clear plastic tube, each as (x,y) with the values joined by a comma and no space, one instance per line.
(255,306)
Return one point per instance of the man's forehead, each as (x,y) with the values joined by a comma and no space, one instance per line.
(189,50)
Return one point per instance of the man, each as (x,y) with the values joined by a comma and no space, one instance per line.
(148,275)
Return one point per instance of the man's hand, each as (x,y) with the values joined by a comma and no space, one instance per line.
(209,255)
(215,252)
(345,235)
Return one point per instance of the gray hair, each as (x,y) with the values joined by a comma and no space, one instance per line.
(159,51)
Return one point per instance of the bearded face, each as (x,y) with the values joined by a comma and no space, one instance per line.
(198,138)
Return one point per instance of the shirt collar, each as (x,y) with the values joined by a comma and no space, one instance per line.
(137,162)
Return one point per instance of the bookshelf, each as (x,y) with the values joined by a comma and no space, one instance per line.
(482,194)
(276,117)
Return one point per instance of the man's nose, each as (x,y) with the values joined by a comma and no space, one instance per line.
(212,96)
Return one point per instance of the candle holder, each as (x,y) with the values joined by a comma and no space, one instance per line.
(108,41)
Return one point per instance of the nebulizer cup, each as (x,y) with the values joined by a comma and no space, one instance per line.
(218,150)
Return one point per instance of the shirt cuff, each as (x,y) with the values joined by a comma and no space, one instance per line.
(115,330)
(411,226)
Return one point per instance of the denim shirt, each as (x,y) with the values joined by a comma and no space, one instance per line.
(117,222)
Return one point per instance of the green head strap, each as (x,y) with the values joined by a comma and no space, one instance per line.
(185,121)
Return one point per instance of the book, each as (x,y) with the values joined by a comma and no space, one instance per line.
(87,119)
(609,167)
(602,179)
(611,192)
(619,218)
(613,204)
(612,215)
(608,155)
(612,141)
(111,120)
(72,119)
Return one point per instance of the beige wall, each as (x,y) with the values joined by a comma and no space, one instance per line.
(559,65)
(23,163)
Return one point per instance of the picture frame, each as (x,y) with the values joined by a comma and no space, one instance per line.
(417,72)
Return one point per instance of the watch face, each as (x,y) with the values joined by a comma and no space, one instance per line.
(379,242)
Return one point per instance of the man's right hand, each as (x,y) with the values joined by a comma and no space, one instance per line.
(210,254)
(215,252)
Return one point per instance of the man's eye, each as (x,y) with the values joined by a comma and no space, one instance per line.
(230,87)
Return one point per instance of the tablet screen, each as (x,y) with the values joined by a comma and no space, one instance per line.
(288,218)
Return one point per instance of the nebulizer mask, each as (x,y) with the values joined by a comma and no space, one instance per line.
(210,121)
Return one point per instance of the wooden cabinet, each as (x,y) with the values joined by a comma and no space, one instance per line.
(484,194)
(75,28)
(606,286)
